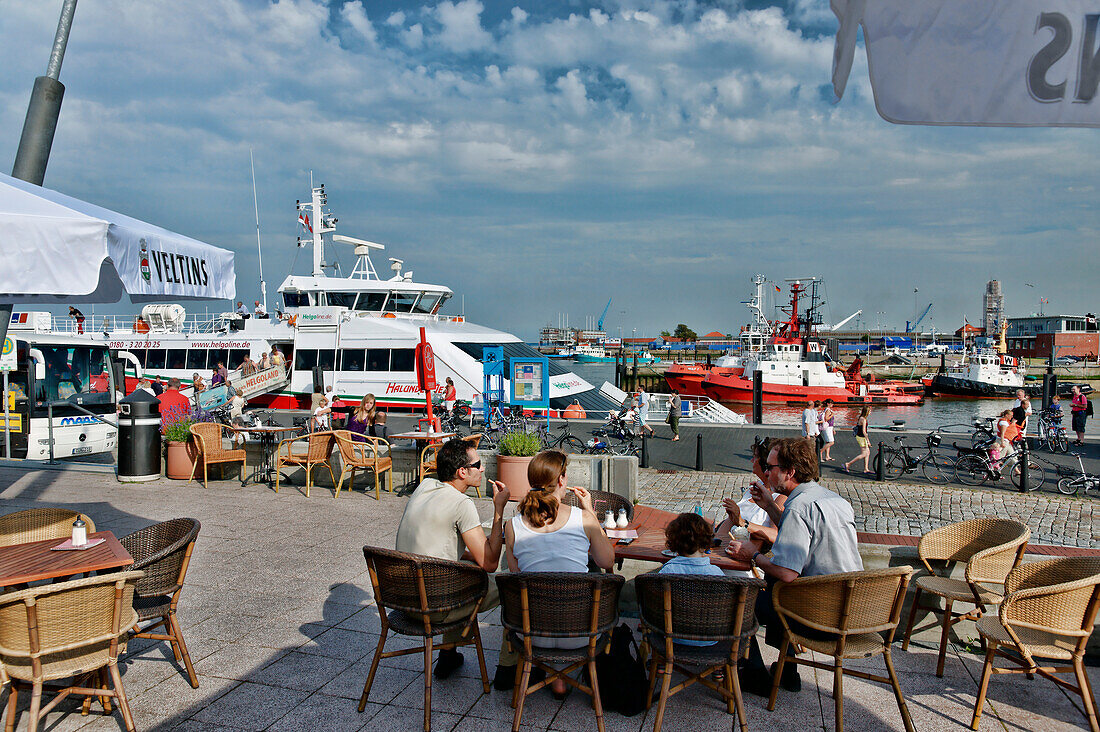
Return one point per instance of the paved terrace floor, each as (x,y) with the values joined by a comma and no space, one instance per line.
(279,620)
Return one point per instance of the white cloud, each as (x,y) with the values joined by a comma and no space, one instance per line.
(461,31)
(354,15)
(413,37)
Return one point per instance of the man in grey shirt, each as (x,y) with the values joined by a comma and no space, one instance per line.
(817,536)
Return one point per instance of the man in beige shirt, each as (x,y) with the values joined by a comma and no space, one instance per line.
(440,520)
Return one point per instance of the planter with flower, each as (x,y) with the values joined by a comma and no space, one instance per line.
(515,451)
(180,454)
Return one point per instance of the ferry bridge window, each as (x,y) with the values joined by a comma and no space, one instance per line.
(427,303)
(403,359)
(176,359)
(216,355)
(378,359)
(370,301)
(196,359)
(305,359)
(236,358)
(73,372)
(295,299)
(402,302)
(351,359)
(155,359)
(341,299)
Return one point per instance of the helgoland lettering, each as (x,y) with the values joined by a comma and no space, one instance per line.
(180,268)
(1088,68)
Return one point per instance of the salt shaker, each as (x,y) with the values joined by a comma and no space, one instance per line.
(609,520)
(622,521)
(80,532)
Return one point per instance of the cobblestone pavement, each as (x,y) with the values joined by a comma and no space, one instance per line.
(908,509)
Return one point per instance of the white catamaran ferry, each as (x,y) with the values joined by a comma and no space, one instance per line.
(355,333)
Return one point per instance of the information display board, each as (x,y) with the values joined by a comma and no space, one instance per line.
(7,355)
(529,382)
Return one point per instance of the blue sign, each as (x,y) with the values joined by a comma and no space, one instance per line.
(529,382)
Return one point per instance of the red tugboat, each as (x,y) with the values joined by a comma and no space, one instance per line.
(796,367)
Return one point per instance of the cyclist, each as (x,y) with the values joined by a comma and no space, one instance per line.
(1007,432)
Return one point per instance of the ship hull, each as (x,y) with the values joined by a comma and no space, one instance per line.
(738,390)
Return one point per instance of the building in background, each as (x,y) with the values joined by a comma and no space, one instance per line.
(993,307)
(1041,336)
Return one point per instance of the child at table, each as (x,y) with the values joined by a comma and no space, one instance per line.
(689,536)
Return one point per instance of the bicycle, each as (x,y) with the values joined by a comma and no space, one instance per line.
(601,444)
(1052,435)
(975,467)
(935,467)
(1071,483)
(567,442)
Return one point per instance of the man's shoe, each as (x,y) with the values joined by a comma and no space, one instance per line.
(505,679)
(791,681)
(755,679)
(449,662)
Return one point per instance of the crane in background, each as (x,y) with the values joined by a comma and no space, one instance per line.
(911,326)
(599,325)
(841,323)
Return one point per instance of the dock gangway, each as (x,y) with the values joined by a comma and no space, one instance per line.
(261,382)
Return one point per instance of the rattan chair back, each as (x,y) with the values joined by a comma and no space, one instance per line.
(54,631)
(474,440)
(1059,595)
(39,524)
(161,550)
(346,444)
(989,546)
(698,607)
(604,501)
(419,585)
(559,604)
(320,446)
(210,440)
(845,604)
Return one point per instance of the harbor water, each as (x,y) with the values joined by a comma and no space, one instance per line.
(931,413)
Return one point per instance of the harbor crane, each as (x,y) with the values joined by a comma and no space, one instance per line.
(599,325)
(911,326)
(839,325)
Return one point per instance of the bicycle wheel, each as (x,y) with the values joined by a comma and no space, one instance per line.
(461,410)
(571,445)
(1068,486)
(939,469)
(971,470)
(1035,475)
(1061,442)
(895,466)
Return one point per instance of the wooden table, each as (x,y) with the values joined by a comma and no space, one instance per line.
(22,563)
(650,524)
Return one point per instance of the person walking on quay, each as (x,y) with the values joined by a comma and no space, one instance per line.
(826,421)
(78,317)
(810,430)
(1078,409)
(673,417)
(863,441)
(449,395)
(643,412)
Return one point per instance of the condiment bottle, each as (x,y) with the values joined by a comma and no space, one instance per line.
(80,532)
(622,521)
(609,520)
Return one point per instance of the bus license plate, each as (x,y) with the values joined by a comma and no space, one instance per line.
(83,450)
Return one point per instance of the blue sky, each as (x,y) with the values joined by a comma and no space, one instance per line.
(539,158)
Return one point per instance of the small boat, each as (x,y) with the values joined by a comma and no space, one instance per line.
(587,353)
(985,373)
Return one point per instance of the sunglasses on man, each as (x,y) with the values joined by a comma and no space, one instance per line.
(474,466)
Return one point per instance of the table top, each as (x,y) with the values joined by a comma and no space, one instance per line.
(31,562)
(264,428)
(650,524)
(423,435)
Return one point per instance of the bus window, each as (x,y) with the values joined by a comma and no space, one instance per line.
(378,359)
(196,359)
(177,358)
(155,359)
(351,359)
(403,359)
(73,373)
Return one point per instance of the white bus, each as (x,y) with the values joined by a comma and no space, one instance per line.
(72,381)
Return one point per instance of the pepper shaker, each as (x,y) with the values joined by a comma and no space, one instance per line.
(622,521)
(80,532)
(609,520)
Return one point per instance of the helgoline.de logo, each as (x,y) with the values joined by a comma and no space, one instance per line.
(144,260)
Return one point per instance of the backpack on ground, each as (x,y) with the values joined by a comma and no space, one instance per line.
(621,675)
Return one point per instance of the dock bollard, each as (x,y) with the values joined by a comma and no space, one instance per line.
(880,469)
(645,451)
(699,451)
(1025,475)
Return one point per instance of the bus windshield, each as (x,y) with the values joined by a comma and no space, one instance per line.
(74,373)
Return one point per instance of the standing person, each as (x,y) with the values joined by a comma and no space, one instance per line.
(441,521)
(276,357)
(809,423)
(673,417)
(449,396)
(1021,411)
(643,412)
(817,536)
(826,422)
(140,326)
(863,440)
(259,312)
(547,535)
(172,399)
(248,366)
(78,317)
(242,311)
(197,386)
(262,364)
(1078,410)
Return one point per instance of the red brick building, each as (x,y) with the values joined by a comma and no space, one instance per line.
(1041,336)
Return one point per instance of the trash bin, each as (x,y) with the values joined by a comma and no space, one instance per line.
(139,438)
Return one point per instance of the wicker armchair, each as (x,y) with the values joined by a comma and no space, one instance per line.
(558,605)
(39,524)
(365,455)
(856,607)
(425,597)
(68,629)
(428,456)
(208,437)
(163,551)
(603,501)
(719,610)
(990,547)
(318,452)
(1048,612)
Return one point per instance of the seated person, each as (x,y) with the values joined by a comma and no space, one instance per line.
(366,420)
(747,512)
(1054,411)
(689,536)
(140,326)
(548,535)
(259,311)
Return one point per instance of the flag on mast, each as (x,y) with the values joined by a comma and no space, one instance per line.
(304,221)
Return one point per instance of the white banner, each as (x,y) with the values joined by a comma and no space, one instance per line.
(976,62)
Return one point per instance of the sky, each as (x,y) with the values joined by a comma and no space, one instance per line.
(542,157)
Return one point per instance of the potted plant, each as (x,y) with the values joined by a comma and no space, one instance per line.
(515,451)
(179,457)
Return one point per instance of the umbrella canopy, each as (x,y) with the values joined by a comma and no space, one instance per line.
(58,249)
